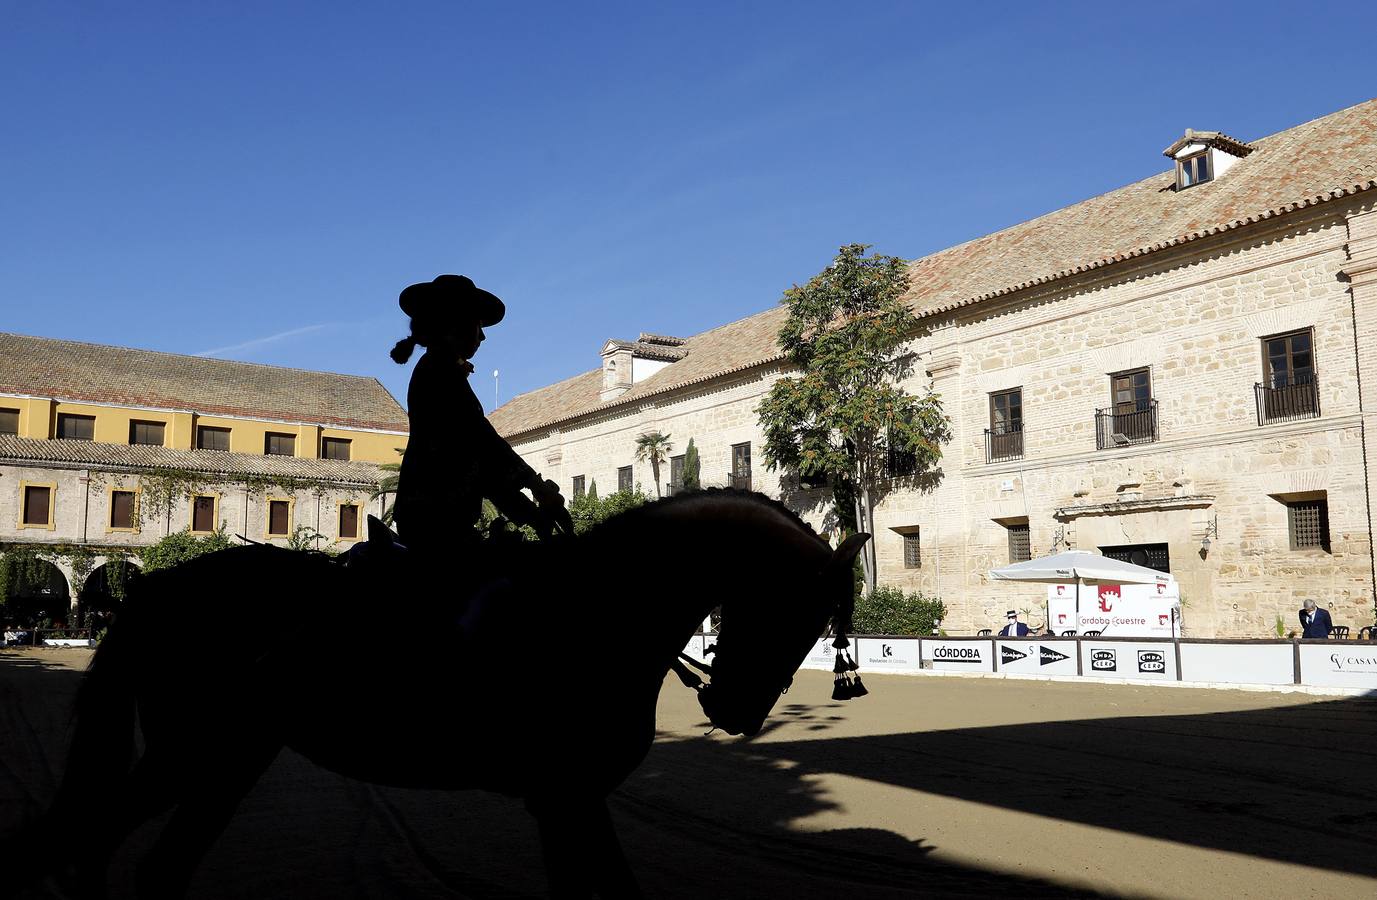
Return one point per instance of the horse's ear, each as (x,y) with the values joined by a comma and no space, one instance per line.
(378,533)
(845,555)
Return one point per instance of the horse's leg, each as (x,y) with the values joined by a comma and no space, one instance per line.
(149,790)
(581,851)
(206,807)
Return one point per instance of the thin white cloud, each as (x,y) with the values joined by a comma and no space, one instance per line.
(259,342)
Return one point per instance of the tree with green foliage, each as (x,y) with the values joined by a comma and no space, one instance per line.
(592,489)
(692,468)
(844,413)
(388,486)
(891,610)
(182,546)
(655,448)
(588,511)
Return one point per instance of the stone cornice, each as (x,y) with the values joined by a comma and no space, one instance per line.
(1155,504)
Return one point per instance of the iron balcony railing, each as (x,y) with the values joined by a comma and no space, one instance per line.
(740,482)
(1116,426)
(1004,443)
(1288,399)
(673,487)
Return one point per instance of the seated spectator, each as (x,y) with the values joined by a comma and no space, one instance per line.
(1015,628)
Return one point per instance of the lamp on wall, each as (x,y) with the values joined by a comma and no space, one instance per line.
(1211,528)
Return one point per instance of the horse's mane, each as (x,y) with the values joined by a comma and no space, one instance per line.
(691,498)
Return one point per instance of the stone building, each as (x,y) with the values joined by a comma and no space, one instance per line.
(104,450)
(1179,372)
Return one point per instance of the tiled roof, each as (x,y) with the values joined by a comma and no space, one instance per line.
(647,349)
(1322,160)
(95,373)
(1213,138)
(123,457)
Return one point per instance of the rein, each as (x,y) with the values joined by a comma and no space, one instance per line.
(690,679)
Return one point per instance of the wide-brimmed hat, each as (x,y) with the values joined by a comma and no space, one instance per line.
(451,298)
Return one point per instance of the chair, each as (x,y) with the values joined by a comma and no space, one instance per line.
(1092,634)
(1068,634)
(1338,632)
(984,632)
(1367,633)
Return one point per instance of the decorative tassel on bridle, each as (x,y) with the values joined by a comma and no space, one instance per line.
(846,679)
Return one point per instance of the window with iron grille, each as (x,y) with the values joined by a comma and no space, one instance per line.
(1308,522)
(148,434)
(209,437)
(76,428)
(203,514)
(578,486)
(334,448)
(624,482)
(1020,548)
(1151,556)
(899,461)
(348,521)
(913,556)
(9,421)
(279,444)
(122,510)
(279,518)
(38,503)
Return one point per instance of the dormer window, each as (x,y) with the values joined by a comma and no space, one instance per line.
(1203,156)
(1193,170)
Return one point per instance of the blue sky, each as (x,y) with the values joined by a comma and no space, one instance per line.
(259,180)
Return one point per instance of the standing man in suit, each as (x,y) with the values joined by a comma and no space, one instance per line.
(1015,628)
(1315,621)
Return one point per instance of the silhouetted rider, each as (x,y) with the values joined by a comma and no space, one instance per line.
(454,457)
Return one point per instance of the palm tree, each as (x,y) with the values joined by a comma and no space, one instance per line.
(388,486)
(655,447)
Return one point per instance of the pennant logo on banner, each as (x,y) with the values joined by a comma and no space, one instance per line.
(1047,655)
(1009,654)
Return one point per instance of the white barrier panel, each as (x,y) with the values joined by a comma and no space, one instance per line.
(957,656)
(1334,664)
(887,654)
(68,642)
(694,647)
(1238,663)
(1128,659)
(1037,657)
(822,656)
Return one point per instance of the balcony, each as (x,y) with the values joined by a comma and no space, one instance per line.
(740,482)
(1003,444)
(1288,399)
(1120,427)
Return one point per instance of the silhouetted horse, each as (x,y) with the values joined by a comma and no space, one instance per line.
(231,657)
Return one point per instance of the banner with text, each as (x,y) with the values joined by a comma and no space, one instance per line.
(1336,665)
(958,656)
(1116,610)
(1036,657)
(1128,659)
(887,654)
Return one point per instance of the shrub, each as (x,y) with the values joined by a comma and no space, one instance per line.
(182,546)
(891,610)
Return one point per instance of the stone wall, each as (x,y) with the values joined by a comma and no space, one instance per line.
(1195,317)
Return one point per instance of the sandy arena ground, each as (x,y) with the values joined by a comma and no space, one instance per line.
(930,786)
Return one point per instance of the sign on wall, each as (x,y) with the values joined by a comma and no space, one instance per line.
(1129,659)
(694,647)
(822,656)
(958,656)
(892,654)
(1116,610)
(1036,657)
(1333,664)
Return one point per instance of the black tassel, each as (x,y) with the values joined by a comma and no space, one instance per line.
(840,689)
(851,663)
(839,664)
(858,688)
(840,641)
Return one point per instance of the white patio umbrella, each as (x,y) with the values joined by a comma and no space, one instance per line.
(1075,567)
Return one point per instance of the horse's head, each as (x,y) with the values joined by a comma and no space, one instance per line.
(762,643)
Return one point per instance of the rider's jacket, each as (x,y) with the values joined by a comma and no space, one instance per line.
(454,458)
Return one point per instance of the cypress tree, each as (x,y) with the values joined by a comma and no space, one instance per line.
(691,480)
